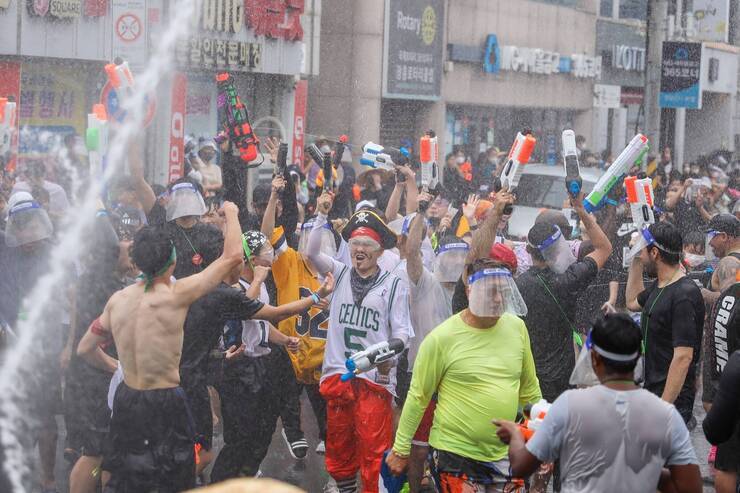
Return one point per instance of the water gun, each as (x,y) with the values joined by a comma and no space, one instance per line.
(534,416)
(635,150)
(281,164)
(640,198)
(374,156)
(573,182)
(391,483)
(120,78)
(428,157)
(371,357)
(339,150)
(96,138)
(234,118)
(7,124)
(328,170)
(519,154)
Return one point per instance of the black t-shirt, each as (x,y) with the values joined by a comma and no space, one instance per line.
(722,419)
(672,316)
(551,307)
(203,326)
(188,243)
(724,334)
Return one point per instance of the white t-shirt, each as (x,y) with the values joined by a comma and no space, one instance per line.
(430,305)
(255,333)
(383,315)
(612,441)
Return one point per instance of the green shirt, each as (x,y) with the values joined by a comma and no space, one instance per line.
(479,375)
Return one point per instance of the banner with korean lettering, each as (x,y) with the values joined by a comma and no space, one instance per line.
(10,85)
(52,99)
(680,79)
(177,127)
(413,57)
(299,121)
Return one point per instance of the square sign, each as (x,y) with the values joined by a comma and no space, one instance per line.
(680,78)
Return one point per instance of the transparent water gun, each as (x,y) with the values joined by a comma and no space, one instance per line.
(234,119)
(369,358)
(96,138)
(640,198)
(375,156)
(635,150)
(573,182)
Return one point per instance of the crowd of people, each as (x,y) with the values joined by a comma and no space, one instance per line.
(189,311)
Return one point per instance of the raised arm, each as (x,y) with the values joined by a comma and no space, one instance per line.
(602,245)
(484,236)
(268,220)
(144,191)
(193,287)
(671,202)
(635,284)
(320,261)
(414,261)
(394,202)
(412,191)
(276,314)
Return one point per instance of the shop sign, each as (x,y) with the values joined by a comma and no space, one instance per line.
(4,4)
(710,19)
(680,80)
(629,58)
(545,62)
(279,19)
(65,9)
(220,54)
(38,7)
(223,15)
(413,56)
(607,96)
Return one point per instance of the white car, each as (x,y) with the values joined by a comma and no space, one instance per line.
(541,186)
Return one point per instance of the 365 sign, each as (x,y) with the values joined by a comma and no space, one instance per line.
(680,78)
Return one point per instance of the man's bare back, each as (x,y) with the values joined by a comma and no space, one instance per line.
(148,330)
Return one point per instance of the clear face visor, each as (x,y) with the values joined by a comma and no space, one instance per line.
(185,200)
(644,239)
(556,252)
(583,374)
(493,292)
(27,223)
(328,243)
(708,250)
(450,260)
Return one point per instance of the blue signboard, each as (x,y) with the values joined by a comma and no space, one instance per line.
(680,78)
(492,56)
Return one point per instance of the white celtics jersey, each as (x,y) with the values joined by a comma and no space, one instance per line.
(383,315)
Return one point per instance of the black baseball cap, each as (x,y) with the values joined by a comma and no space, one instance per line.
(725,223)
(261,194)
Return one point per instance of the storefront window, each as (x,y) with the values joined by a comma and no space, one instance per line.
(633,9)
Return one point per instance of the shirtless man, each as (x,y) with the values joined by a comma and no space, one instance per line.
(151,430)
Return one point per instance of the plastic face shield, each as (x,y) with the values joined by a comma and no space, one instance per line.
(583,374)
(27,223)
(708,250)
(328,244)
(644,240)
(185,200)
(493,292)
(557,252)
(450,260)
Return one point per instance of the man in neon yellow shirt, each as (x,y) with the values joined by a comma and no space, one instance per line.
(480,364)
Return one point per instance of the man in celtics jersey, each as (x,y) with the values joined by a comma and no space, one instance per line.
(369,306)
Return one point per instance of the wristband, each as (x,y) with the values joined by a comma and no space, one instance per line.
(316,299)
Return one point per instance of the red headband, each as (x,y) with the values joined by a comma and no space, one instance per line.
(365,231)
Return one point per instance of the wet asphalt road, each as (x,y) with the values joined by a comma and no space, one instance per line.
(310,474)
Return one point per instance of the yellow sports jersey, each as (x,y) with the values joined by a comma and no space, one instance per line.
(294,280)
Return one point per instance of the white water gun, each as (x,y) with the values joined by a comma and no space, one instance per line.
(96,138)
(7,124)
(635,150)
(573,182)
(519,154)
(640,198)
(429,157)
(371,357)
(374,156)
(535,415)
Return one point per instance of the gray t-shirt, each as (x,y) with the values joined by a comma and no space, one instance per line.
(610,440)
